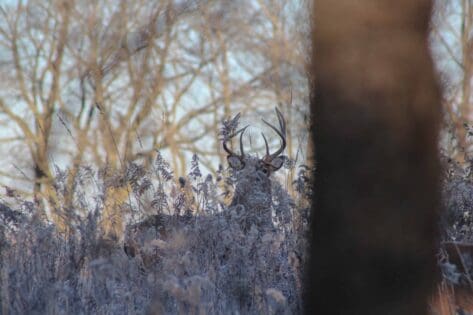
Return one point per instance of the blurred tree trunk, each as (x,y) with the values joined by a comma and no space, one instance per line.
(377,112)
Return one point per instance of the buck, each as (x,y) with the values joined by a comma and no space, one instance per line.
(252,199)
(252,196)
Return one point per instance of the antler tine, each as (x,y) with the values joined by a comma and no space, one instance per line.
(230,152)
(241,141)
(281,133)
(266,144)
(282,122)
(226,148)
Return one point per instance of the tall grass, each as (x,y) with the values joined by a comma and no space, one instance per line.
(179,253)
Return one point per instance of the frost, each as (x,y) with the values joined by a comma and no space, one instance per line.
(183,249)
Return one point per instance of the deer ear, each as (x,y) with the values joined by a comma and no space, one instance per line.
(277,163)
(235,162)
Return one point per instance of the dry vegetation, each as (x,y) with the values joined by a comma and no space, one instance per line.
(188,253)
(451,45)
(111,115)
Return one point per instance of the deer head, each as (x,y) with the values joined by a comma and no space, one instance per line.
(271,162)
(253,184)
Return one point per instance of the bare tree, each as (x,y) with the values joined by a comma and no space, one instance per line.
(108,83)
(36,70)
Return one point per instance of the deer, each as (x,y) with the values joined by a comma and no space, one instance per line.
(252,198)
(252,195)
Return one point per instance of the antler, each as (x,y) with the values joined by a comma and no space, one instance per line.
(227,138)
(281,132)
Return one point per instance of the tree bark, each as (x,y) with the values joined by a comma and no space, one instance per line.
(376,111)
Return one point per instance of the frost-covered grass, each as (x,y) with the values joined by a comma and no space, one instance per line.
(182,250)
(455,258)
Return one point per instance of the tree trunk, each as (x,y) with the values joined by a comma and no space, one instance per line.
(376,107)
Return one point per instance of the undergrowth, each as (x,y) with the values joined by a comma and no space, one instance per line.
(179,252)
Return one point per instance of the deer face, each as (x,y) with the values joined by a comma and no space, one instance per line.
(255,165)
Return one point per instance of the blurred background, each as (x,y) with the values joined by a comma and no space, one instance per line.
(111,82)
(106,84)
(452,48)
